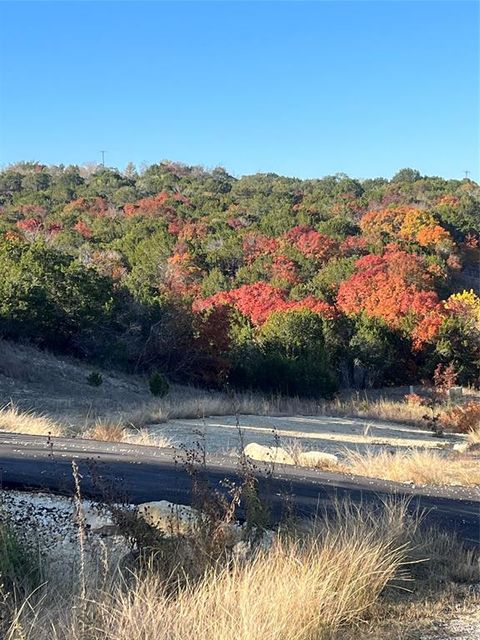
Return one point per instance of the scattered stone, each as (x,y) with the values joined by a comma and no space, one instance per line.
(268,454)
(47,524)
(232,533)
(257,541)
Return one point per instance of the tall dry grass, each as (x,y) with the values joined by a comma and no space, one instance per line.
(424,467)
(116,432)
(301,589)
(17,421)
(318,586)
(473,436)
(185,404)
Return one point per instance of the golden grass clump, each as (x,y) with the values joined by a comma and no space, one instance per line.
(14,420)
(473,436)
(116,432)
(304,589)
(319,585)
(145,438)
(420,467)
(106,431)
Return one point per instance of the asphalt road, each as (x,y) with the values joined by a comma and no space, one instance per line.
(139,474)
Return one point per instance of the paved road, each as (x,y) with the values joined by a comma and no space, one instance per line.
(141,474)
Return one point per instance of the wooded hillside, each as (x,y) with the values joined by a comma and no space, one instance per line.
(275,283)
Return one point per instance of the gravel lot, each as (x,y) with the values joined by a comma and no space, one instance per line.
(317,432)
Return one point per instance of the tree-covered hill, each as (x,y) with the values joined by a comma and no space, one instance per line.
(299,286)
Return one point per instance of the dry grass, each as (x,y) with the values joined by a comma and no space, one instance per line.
(378,409)
(184,403)
(420,467)
(105,431)
(14,420)
(58,386)
(322,586)
(187,402)
(115,432)
(298,590)
(473,436)
(145,438)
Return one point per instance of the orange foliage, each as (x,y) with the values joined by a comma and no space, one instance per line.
(462,418)
(259,300)
(312,244)
(406,223)
(256,245)
(83,229)
(392,287)
(153,206)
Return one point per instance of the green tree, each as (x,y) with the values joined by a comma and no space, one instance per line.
(291,356)
(49,297)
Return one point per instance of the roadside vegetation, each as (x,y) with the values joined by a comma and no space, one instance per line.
(417,467)
(354,573)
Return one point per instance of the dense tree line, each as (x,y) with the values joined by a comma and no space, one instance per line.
(299,286)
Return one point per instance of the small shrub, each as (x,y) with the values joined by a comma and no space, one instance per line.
(95,379)
(444,378)
(462,419)
(19,568)
(158,385)
(414,399)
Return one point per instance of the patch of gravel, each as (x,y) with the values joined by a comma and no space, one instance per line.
(48,525)
(467,628)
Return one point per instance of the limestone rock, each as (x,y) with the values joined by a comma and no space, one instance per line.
(268,454)
(172,519)
(461,447)
(99,523)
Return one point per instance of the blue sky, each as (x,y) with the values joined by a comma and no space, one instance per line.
(298,88)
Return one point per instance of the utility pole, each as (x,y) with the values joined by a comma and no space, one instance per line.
(467,173)
(103,157)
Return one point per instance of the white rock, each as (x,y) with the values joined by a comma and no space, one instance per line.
(267,540)
(268,454)
(245,549)
(461,447)
(172,519)
(99,523)
(317,459)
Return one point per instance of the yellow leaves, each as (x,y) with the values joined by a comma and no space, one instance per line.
(467,302)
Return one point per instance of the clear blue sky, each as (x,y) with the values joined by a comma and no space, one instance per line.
(299,88)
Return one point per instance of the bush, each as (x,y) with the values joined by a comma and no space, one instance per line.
(19,568)
(414,399)
(95,379)
(462,419)
(158,385)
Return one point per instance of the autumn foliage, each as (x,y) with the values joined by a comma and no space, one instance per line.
(194,268)
(393,287)
(258,301)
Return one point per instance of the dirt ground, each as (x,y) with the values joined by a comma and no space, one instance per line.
(329,434)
